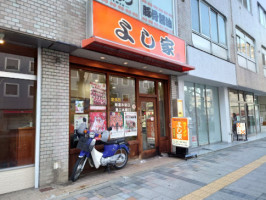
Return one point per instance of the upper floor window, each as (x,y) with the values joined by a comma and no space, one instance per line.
(263,53)
(245,50)
(12,64)
(11,90)
(208,22)
(246,4)
(262,15)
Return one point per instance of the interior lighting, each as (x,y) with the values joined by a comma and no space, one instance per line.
(2,35)
(102,58)
(144,67)
(125,63)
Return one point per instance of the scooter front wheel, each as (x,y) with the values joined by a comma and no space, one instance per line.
(78,168)
(122,160)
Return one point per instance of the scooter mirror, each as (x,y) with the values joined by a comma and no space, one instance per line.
(109,128)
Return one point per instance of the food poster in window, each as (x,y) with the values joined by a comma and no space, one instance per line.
(79,106)
(97,94)
(79,119)
(117,124)
(97,122)
(130,124)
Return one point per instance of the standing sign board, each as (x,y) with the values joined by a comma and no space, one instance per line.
(180,132)
(241,128)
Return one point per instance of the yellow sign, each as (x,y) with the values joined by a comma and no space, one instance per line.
(180,132)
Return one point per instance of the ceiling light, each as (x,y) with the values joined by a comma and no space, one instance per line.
(161,71)
(96,80)
(125,63)
(2,35)
(113,87)
(102,57)
(144,67)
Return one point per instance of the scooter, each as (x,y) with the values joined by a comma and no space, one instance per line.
(115,153)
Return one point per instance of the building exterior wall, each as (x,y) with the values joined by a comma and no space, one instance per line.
(249,22)
(54,141)
(53,19)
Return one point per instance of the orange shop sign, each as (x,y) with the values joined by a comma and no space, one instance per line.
(119,30)
(180,132)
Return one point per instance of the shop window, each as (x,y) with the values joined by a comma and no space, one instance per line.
(245,50)
(122,111)
(113,80)
(146,87)
(11,90)
(88,101)
(17,124)
(12,64)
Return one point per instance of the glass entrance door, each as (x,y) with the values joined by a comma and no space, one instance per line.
(148,124)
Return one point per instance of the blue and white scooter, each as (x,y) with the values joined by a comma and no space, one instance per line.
(115,153)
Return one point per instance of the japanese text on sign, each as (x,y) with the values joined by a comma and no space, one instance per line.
(180,132)
(240,128)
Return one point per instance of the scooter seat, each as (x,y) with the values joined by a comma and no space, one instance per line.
(117,141)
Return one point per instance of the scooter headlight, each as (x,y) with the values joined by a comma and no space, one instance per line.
(92,135)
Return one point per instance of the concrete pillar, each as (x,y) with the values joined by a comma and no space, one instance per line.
(225,114)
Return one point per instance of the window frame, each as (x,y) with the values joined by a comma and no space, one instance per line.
(12,70)
(30,71)
(264,12)
(248,5)
(10,95)
(263,53)
(246,39)
(211,9)
(29,95)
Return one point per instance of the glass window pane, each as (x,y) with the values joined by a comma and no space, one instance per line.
(252,52)
(201,114)
(17,124)
(248,49)
(245,3)
(161,93)
(222,34)
(195,15)
(122,96)
(241,96)
(249,98)
(214,27)
(213,114)
(238,43)
(88,101)
(233,96)
(263,59)
(243,46)
(146,87)
(262,15)
(190,110)
(11,89)
(205,22)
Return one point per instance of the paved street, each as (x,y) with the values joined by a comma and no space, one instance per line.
(238,172)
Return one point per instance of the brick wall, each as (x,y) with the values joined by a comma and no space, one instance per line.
(54,141)
(50,19)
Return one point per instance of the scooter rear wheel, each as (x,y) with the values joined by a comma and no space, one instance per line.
(125,155)
(78,168)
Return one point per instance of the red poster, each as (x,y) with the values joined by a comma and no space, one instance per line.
(97,122)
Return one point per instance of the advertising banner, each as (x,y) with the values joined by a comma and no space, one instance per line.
(97,94)
(129,7)
(127,31)
(180,132)
(97,122)
(130,124)
(241,128)
(117,124)
(158,13)
(78,119)
(79,106)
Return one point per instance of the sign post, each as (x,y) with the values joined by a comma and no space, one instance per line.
(180,137)
(241,130)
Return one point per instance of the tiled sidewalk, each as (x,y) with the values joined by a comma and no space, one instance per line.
(160,170)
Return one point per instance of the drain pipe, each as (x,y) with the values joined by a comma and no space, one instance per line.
(38,117)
